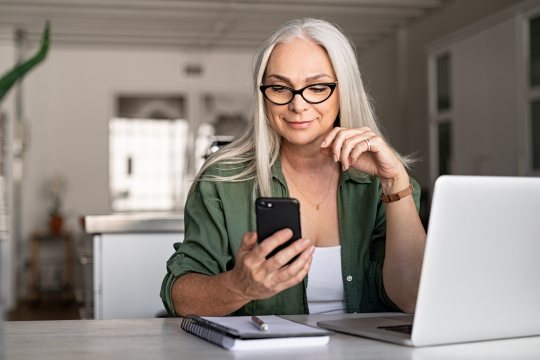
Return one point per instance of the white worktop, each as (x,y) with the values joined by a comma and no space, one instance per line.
(134,223)
(164,339)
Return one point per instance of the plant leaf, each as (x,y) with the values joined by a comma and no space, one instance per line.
(11,77)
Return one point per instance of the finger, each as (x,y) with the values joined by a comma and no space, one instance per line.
(283,256)
(270,243)
(296,279)
(339,140)
(248,241)
(342,136)
(327,151)
(327,146)
(289,271)
(330,137)
(350,144)
(357,152)
(376,143)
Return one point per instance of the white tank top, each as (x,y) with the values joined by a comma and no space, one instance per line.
(325,292)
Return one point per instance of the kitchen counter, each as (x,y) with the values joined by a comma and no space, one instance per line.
(134,223)
(130,253)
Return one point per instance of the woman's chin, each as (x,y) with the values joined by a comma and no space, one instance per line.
(301,139)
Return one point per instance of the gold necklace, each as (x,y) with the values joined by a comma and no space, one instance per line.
(325,196)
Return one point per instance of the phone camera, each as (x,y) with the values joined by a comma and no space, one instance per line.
(262,203)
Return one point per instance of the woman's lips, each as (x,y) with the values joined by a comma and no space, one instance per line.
(299,124)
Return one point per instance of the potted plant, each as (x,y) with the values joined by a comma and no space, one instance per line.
(57,188)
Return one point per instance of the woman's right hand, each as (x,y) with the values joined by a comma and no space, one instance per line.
(255,277)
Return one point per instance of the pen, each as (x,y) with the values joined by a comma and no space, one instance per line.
(260,324)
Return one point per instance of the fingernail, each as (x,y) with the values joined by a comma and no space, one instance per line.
(306,241)
(335,158)
(312,249)
(343,167)
(323,144)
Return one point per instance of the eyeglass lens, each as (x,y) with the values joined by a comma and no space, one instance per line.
(313,94)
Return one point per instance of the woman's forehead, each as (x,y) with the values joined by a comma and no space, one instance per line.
(301,58)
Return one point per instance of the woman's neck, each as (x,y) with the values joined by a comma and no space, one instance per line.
(305,158)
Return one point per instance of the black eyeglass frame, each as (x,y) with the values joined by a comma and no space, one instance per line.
(300,92)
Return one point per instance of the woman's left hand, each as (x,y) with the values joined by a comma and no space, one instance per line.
(351,148)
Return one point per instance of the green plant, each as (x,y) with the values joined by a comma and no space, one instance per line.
(57,188)
(11,77)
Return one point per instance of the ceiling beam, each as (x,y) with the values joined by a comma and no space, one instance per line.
(171,31)
(202,23)
(257,22)
(237,4)
(150,10)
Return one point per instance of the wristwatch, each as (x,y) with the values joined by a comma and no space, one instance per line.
(398,196)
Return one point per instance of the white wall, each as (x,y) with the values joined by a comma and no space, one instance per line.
(379,69)
(69,100)
(7,106)
(486,106)
(406,116)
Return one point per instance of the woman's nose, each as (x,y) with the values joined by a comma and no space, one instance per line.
(298,104)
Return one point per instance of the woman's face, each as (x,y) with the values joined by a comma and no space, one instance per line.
(297,65)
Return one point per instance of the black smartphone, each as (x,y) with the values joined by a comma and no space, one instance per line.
(274,214)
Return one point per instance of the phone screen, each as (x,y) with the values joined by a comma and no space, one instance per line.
(274,214)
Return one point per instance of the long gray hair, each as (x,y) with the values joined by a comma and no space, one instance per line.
(258,147)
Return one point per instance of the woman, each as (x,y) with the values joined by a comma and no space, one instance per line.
(313,137)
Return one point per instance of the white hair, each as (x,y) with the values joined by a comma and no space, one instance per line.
(258,147)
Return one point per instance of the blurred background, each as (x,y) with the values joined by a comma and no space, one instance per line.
(99,141)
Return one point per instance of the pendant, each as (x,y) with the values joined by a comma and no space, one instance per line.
(318,208)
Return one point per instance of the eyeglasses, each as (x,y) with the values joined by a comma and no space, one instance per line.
(282,95)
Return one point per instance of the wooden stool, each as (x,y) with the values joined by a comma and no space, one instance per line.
(67,293)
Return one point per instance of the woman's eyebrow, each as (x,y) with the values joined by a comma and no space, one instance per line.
(279,77)
(316,77)
(308,79)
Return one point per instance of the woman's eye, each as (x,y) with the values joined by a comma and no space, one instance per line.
(278,89)
(318,89)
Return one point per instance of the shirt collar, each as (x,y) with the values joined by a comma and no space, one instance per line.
(277,173)
(355,176)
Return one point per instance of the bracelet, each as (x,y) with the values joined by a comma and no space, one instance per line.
(398,196)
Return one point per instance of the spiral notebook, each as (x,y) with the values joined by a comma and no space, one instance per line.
(239,333)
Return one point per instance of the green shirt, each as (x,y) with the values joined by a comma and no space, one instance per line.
(218,214)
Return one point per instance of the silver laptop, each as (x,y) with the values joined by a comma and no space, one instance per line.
(481,271)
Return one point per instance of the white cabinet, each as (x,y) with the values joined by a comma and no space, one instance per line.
(128,271)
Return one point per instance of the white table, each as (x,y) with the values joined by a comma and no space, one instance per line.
(164,339)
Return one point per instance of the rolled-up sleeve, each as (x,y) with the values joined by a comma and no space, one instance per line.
(374,267)
(206,249)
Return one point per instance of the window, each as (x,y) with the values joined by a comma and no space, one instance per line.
(147,154)
(146,163)
(444,141)
(535,134)
(534,96)
(443,83)
(441,114)
(534,51)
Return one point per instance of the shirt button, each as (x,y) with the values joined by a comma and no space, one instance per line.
(349,278)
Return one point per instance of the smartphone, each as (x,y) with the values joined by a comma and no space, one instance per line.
(274,214)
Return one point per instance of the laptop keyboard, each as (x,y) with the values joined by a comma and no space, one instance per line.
(405,329)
